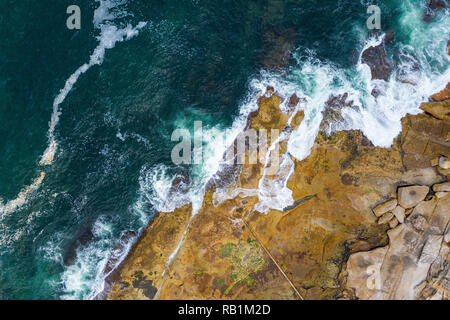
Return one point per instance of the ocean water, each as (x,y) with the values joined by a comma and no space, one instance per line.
(87,115)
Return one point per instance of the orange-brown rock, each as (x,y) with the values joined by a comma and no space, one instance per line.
(297,119)
(440,110)
(385,207)
(222,259)
(309,242)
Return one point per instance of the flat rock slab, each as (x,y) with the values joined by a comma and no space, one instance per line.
(442,187)
(409,197)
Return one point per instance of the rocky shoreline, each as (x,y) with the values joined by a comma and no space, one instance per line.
(314,248)
(366,222)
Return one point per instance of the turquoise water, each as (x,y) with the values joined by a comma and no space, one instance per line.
(185,61)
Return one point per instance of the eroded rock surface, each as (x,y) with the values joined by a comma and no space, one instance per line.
(433,6)
(415,264)
(424,138)
(385,207)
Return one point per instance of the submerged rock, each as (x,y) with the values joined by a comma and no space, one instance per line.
(83,238)
(377,60)
(278,43)
(180,183)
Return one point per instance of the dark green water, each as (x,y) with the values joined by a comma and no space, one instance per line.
(192,61)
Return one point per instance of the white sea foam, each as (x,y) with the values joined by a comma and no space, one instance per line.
(314,81)
(155,190)
(273,192)
(86,278)
(110,34)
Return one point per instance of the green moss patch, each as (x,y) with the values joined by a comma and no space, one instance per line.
(246,257)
